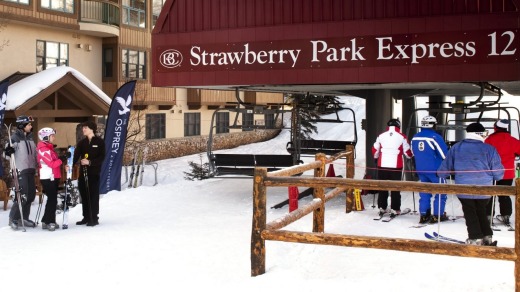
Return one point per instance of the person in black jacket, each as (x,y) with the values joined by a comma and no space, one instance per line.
(90,152)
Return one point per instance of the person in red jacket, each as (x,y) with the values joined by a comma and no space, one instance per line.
(508,147)
(388,152)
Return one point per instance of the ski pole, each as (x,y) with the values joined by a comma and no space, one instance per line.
(439,210)
(85,176)
(39,209)
(492,208)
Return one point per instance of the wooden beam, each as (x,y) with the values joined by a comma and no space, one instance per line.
(390,185)
(400,244)
(59,113)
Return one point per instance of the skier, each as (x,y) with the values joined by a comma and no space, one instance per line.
(508,148)
(50,174)
(24,150)
(88,182)
(388,152)
(429,150)
(474,163)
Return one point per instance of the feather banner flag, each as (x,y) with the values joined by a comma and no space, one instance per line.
(115,138)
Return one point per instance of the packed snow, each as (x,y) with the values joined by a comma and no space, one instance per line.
(182,235)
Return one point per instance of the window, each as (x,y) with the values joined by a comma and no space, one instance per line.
(191,124)
(66,6)
(133,64)
(269,121)
(222,123)
(157,6)
(134,13)
(247,121)
(108,64)
(50,55)
(155,126)
(19,1)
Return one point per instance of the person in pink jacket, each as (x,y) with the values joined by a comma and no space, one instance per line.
(50,174)
(388,151)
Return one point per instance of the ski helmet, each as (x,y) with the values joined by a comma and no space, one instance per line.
(44,133)
(22,121)
(428,122)
(394,122)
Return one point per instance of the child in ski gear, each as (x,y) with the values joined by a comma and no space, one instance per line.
(50,174)
(388,151)
(88,182)
(508,147)
(429,150)
(24,150)
(474,162)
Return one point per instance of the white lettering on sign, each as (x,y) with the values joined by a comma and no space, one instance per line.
(336,54)
(362,50)
(247,56)
(507,50)
(389,51)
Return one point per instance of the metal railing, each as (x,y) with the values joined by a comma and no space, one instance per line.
(103,12)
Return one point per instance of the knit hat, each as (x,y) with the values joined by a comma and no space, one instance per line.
(475,128)
(502,124)
(91,125)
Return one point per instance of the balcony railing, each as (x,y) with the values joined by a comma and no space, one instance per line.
(103,12)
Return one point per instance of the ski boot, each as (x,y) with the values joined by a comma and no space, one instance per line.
(50,226)
(13,224)
(488,240)
(504,219)
(28,223)
(470,241)
(425,219)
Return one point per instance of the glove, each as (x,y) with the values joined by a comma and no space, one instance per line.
(9,151)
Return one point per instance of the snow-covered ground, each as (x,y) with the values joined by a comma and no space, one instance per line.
(191,235)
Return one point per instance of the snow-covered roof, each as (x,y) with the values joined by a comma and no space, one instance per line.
(23,90)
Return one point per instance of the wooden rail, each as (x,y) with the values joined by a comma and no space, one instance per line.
(262,231)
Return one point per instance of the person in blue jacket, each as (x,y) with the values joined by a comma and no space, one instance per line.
(429,150)
(474,162)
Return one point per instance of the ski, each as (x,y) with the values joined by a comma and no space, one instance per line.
(138,168)
(440,239)
(68,188)
(435,234)
(145,153)
(381,216)
(133,169)
(17,190)
(421,225)
(508,225)
(393,216)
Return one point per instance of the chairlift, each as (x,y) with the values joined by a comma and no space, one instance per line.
(299,147)
(243,164)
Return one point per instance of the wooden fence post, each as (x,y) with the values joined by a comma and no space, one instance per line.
(349,195)
(318,215)
(259,223)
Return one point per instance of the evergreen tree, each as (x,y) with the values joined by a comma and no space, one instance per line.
(199,171)
(309,107)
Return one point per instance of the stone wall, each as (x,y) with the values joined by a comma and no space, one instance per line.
(177,147)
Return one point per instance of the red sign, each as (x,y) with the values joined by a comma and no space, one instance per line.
(474,47)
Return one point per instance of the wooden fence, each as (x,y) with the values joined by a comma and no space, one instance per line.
(262,231)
